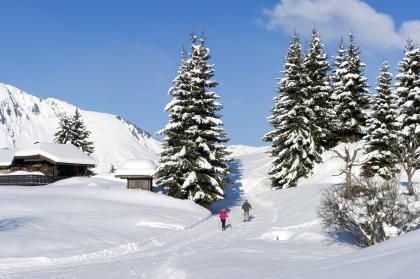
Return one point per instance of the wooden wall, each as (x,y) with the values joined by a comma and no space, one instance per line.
(42,166)
(140,183)
(48,168)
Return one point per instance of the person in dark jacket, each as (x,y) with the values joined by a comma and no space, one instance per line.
(223,216)
(246,206)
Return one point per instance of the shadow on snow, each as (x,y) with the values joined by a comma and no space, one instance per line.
(233,191)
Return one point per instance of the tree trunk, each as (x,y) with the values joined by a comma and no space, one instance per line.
(348,183)
(410,183)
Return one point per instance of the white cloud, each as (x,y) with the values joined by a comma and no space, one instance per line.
(334,18)
(411,29)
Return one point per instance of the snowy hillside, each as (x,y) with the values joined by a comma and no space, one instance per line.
(105,231)
(25,119)
(84,218)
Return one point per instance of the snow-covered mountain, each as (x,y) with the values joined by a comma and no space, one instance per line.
(25,119)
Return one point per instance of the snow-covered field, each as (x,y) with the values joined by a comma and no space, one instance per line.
(83,219)
(94,228)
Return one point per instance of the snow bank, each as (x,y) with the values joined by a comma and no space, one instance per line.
(82,215)
(394,258)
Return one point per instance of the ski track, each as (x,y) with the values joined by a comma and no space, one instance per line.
(209,237)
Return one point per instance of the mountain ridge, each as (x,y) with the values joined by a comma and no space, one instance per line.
(25,119)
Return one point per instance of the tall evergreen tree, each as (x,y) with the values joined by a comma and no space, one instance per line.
(194,117)
(351,93)
(80,134)
(205,182)
(173,163)
(292,141)
(381,137)
(408,91)
(408,88)
(319,93)
(64,131)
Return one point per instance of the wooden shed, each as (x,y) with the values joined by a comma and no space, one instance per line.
(139,174)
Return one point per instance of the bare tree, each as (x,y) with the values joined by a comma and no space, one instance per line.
(373,212)
(350,160)
(409,157)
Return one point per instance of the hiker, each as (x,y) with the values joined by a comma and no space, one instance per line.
(223,216)
(246,206)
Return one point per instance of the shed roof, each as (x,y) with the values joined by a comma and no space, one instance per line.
(58,153)
(136,168)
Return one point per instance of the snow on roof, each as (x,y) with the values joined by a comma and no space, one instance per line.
(23,173)
(59,153)
(6,157)
(136,167)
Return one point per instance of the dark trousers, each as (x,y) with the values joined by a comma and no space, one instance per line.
(223,224)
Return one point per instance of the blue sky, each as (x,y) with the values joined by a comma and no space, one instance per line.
(121,56)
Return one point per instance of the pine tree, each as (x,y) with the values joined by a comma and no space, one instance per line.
(351,93)
(319,92)
(208,157)
(381,137)
(408,88)
(64,131)
(194,161)
(408,91)
(173,164)
(293,145)
(80,134)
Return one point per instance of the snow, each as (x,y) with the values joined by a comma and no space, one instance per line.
(94,228)
(59,153)
(136,167)
(23,173)
(6,157)
(84,218)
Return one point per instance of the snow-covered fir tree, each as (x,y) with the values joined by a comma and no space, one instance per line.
(381,137)
(208,157)
(173,163)
(319,93)
(64,131)
(293,146)
(408,88)
(350,92)
(194,112)
(80,134)
(408,92)
(73,130)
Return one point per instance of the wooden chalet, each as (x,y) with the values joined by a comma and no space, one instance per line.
(43,163)
(139,174)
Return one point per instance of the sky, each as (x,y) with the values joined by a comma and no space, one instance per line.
(120,56)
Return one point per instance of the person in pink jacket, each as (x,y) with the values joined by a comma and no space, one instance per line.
(223,216)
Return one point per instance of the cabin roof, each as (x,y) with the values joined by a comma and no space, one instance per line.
(6,156)
(58,153)
(136,168)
